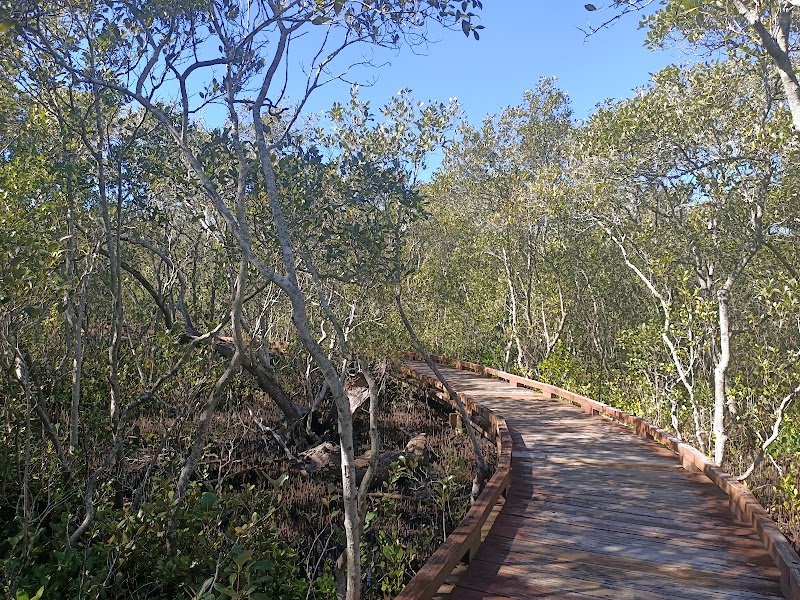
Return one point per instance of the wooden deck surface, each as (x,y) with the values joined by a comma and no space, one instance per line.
(596,512)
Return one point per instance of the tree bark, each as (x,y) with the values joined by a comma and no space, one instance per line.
(720,371)
(213,400)
(684,373)
(19,367)
(300,319)
(99,154)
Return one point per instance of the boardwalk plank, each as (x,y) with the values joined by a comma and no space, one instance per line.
(733,528)
(743,538)
(595,511)
(609,542)
(736,577)
(586,579)
(741,579)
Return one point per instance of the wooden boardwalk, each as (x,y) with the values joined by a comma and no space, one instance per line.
(595,511)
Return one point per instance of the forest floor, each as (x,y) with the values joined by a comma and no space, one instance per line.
(414,505)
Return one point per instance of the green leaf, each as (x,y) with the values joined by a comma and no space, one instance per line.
(261,565)
(32,311)
(243,557)
(231,593)
(207,501)
(590,7)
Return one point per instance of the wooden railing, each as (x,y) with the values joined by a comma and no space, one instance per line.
(463,542)
(742,502)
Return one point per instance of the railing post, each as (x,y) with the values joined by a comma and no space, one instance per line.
(688,464)
(641,429)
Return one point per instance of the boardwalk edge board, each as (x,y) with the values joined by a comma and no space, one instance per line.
(742,503)
(463,542)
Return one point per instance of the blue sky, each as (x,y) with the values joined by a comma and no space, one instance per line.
(522,41)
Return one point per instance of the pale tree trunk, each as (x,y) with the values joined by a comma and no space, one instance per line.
(374,444)
(99,154)
(73,314)
(348,565)
(214,397)
(331,374)
(114,451)
(720,371)
(792,90)
(780,412)
(673,417)
(684,372)
(552,340)
(292,289)
(512,317)
(77,362)
(237,300)
(721,400)
(374,438)
(345,428)
(15,362)
(26,475)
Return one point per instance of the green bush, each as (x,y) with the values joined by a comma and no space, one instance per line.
(225,546)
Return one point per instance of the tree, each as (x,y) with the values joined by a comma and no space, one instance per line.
(705,180)
(134,55)
(741,28)
(505,184)
(137,53)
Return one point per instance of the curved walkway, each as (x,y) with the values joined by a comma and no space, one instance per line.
(595,511)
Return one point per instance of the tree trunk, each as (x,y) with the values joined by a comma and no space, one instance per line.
(77,371)
(720,372)
(512,318)
(99,154)
(213,399)
(684,373)
(265,380)
(300,320)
